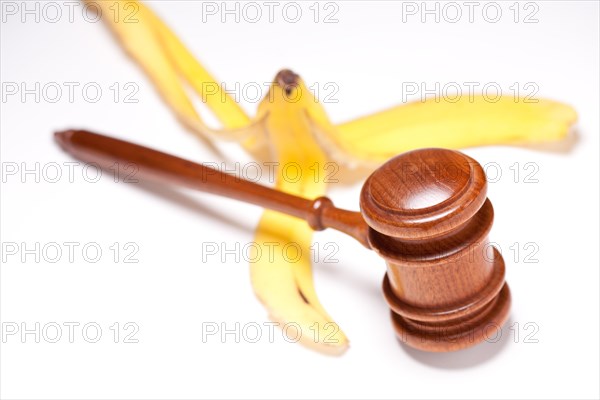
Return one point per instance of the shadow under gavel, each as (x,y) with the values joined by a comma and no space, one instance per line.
(425,212)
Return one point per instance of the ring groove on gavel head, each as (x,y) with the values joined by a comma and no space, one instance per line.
(429,218)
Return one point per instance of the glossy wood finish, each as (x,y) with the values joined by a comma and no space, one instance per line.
(423,194)
(426,214)
(431,218)
(105,151)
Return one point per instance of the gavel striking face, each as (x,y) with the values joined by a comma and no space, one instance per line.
(425,212)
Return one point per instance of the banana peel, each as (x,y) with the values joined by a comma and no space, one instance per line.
(291,126)
(172,69)
(466,123)
(291,140)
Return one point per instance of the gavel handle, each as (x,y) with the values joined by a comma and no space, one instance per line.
(105,151)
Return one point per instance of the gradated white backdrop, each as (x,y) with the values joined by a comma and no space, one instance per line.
(368,54)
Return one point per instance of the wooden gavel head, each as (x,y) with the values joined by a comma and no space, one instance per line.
(429,218)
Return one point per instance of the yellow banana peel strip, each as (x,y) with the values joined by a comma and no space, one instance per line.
(468,122)
(293,127)
(172,69)
(284,283)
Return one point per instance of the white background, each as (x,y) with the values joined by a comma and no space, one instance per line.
(170,293)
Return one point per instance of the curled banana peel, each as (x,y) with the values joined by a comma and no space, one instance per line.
(292,128)
(284,283)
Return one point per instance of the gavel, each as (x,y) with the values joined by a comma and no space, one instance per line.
(425,212)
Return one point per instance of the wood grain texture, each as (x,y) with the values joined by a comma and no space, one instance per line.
(425,212)
(430,221)
(423,194)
